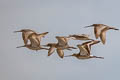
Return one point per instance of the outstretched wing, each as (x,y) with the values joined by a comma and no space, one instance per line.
(84,50)
(80,37)
(39,36)
(51,50)
(34,40)
(25,35)
(97,31)
(60,53)
(103,36)
(62,41)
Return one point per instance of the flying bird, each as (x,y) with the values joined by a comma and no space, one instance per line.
(103,33)
(80,37)
(25,34)
(85,50)
(97,29)
(63,42)
(100,31)
(53,47)
(35,40)
(30,46)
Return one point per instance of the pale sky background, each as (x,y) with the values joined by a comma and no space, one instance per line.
(59,18)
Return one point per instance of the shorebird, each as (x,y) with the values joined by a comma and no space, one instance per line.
(60,46)
(25,34)
(35,40)
(100,31)
(97,29)
(53,47)
(80,37)
(63,42)
(85,49)
(29,46)
(103,33)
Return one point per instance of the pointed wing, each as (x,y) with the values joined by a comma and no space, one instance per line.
(97,31)
(62,41)
(60,53)
(88,44)
(84,50)
(80,37)
(103,36)
(34,40)
(51,50)
(39,36)
(93,42)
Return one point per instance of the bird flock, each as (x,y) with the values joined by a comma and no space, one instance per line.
(34,38)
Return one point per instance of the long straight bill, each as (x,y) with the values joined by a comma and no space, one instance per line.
(100,57)
(20,46)
(16,31)
(88,26)
(68,56)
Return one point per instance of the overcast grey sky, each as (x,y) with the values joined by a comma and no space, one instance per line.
(61,18)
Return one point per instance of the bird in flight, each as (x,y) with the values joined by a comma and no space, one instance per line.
(100,31)
(85,50)
(80,37)
(34,38)
(25,34)
(63,42)
(59,46)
